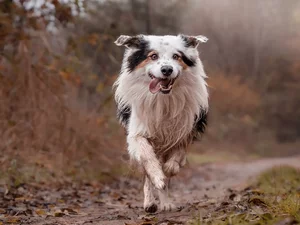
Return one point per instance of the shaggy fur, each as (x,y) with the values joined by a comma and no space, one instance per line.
(161,121)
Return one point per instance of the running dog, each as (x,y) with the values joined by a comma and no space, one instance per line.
(162,101)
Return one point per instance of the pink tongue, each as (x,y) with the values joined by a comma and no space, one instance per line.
(154,86)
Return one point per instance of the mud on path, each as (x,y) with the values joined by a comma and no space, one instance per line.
(197,189)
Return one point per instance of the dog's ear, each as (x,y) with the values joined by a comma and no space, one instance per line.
(130,41)
(193,41)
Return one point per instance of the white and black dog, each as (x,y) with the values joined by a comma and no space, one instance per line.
(162,101)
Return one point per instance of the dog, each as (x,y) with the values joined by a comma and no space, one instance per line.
(162,101)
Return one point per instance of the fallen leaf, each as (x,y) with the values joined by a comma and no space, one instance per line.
(122,217)
(148,218)
(40,212)
(69,211)
(235,196)
(12,219)
(255,191)
(258,210)
(21,199)
(257,201)
(58,214)
(2,211)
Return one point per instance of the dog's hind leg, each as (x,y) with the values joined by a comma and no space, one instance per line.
(175,161)
(149,198)
(140,150)
(165,202)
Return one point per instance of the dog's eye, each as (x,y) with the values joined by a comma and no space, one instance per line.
(154,56)
(176,57)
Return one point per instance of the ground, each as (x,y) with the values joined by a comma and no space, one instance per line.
(198,191)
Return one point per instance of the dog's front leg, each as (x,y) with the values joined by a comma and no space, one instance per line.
(140,150)
(149,198)
(175,161)
(165,202)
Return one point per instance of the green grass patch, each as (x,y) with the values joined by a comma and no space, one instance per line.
(273,198)
(279,181)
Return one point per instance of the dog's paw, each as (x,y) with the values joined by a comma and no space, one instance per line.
(159,181)
(151,208)
(167,206)
(171,168)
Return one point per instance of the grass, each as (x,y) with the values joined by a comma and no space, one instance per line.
(279,181)
(272,198)
(281,186)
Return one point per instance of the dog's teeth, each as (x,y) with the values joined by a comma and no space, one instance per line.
(165,89)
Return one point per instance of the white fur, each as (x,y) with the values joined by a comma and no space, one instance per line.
(165,202)
(149,198)
(167,119)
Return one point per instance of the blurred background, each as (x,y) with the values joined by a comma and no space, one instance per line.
(58,63)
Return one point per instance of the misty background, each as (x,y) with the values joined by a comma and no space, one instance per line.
(58,63)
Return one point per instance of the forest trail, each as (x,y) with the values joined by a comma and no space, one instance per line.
(197,190)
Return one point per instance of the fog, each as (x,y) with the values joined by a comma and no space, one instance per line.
(259,27)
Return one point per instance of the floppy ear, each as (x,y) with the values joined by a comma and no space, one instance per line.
(193,41)
(129,41)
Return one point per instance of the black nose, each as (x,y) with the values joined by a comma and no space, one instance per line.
(167,70)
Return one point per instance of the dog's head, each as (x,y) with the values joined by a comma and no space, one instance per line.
(160,60)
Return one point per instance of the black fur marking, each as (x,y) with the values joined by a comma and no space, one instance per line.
(123,115)
(189,41)
(189,62)
(200,124)
(139,56)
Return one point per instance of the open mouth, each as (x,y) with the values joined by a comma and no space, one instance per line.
(163,85)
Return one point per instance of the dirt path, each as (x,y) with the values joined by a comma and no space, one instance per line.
(196,189)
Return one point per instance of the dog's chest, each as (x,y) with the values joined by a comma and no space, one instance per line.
(167,121)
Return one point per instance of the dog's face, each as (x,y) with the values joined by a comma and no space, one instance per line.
(160,60)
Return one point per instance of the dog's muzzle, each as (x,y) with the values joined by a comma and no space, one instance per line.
(164,85)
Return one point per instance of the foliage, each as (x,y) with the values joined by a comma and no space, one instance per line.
(41,120)
(57,66)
